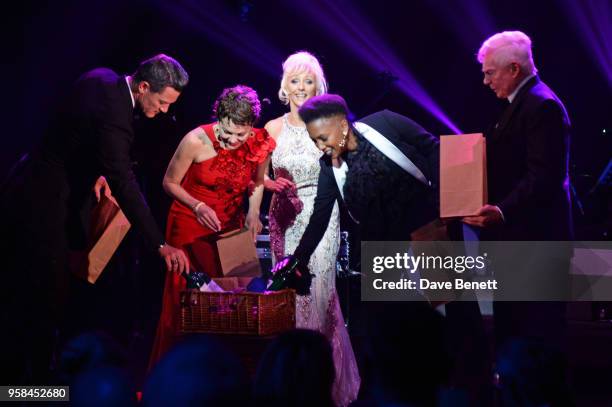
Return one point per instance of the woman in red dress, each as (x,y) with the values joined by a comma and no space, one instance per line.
(212,169)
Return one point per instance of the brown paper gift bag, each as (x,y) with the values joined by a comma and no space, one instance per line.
(108,228)
(233,283)
(237,254)
(463,174)
(435,230)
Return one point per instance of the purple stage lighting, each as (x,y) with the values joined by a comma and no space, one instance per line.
(346,25)
(213,21)
(593,21)
(469,20)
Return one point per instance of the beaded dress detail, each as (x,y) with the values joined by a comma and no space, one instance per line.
(296,158)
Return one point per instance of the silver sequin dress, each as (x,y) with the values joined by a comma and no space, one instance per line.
(297,158)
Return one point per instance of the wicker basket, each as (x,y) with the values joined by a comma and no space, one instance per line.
(237,313)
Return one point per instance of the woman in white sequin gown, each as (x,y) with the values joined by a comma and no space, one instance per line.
(295,162)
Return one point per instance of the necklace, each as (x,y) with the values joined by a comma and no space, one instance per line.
(295,130)
(217,132)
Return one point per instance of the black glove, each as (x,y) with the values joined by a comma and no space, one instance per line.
(290,273)
(196,279)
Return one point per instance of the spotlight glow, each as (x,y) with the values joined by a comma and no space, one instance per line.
(237,36)
(346,25)
(592,19)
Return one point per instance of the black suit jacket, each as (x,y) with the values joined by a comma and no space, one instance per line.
(382,222)
(90,135)
(527,160)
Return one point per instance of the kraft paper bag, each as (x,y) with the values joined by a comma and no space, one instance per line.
(233,283)
(108,228)
(237,254)
(463,174)
(435,230)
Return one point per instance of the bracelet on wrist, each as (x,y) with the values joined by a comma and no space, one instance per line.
(196,207)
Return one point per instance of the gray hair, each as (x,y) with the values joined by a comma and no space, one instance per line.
(297,63)
(508,47)
(161,71)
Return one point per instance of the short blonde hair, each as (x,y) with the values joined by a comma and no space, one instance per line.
(507,47)
(297,63)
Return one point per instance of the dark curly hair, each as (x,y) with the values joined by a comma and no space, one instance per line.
(240,104)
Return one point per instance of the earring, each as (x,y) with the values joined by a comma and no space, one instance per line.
(342,142)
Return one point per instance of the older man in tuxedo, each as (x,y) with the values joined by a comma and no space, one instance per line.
(527,158)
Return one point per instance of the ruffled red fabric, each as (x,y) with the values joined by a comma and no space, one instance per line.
(221,183)
(260,145)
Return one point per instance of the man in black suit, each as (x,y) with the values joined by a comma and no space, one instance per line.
(46,200)
(528,183)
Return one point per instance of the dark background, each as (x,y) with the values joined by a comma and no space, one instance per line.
(222,43)
(51,43)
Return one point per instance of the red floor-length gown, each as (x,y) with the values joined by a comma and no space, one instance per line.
(220,182)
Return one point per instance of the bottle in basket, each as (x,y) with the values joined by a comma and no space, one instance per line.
(290,273)
(196,279)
